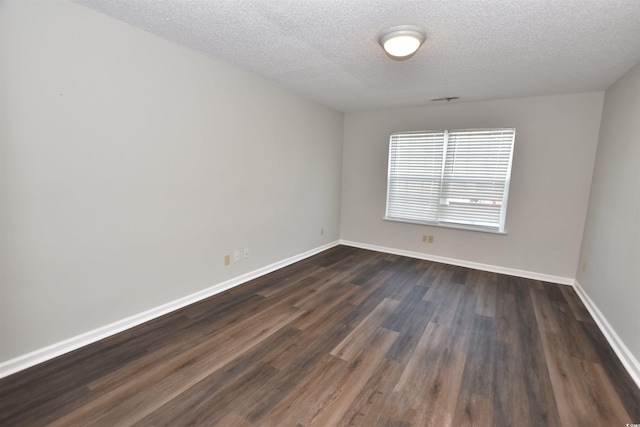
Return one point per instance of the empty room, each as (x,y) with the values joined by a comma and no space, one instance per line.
(319,213)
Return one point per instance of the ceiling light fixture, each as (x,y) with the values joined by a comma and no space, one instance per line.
(402,41)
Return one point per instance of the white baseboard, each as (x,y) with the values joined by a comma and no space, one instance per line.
(624,354)
(462,263)
(25,361)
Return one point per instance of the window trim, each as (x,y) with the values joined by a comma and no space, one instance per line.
(446,225)
(500,229)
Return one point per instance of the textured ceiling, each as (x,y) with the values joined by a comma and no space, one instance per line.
(327,50)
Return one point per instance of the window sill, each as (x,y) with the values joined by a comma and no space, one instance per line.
(454,226)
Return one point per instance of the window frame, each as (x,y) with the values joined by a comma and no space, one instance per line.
(436,213)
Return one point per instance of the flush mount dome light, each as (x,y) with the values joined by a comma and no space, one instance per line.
(402,41)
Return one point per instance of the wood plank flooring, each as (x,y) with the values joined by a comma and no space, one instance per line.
(348,337)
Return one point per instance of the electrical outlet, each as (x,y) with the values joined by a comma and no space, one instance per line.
(246,252)
(427,238)
(227,260)
(236,256)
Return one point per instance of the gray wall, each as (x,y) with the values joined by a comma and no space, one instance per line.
(556,140)
(611,243)
(131,166)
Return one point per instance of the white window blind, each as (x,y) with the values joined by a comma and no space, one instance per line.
(454,178)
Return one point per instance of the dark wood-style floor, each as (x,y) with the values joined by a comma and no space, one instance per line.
(346,337)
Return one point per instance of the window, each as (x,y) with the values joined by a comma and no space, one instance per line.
(457,178)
